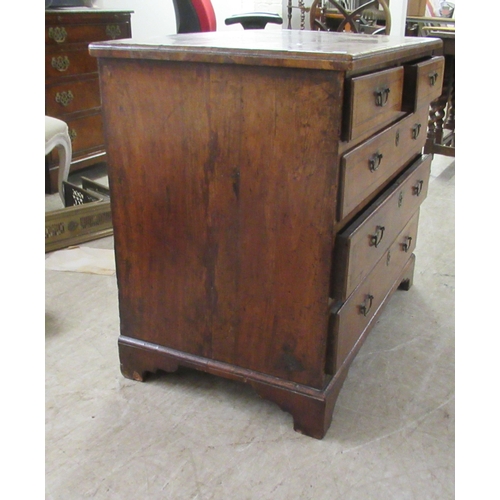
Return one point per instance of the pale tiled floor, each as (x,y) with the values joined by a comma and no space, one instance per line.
(194,436)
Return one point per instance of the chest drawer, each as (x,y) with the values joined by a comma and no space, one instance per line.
(375,100)
(86,132)
(56,35)
(71,96)
(423,82)
(370,165)
(358,311)
(361,245)
(69,61)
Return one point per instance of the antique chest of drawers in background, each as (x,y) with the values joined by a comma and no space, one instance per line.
(71,80)
(269,191)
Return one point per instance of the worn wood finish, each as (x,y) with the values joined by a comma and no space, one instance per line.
(224,164)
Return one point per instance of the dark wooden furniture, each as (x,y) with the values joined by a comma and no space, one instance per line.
(267,188)
(71,79)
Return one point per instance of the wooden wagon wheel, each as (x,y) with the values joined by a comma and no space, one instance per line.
(317,16)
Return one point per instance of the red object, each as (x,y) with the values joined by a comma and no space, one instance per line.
(206,14)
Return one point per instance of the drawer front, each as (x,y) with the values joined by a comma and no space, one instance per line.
(72,96)
(370,165)
(424,82)
(375,101)
(361,245)
(357,313)
(86,133)
(63,63)
(77,33)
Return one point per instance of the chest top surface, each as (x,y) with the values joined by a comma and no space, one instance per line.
(285,48)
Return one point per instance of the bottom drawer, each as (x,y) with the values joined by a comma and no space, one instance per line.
(356,314)
(86,133)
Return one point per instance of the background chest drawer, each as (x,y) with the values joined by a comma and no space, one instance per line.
(423,82)
(72,96)
(64,33)
(372,164)
(359,247)
(375,100)
(351,320)
(68,62)
(86,132)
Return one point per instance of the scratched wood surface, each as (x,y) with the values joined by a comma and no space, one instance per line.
(223,217)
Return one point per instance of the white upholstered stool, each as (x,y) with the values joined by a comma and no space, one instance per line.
(57,136)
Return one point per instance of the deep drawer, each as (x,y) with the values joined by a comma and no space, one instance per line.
(77,33)
(354,316)
(375,100)
(423,82)
(72,96)
(373,163)
(73,61)
(86,133)
(362,244)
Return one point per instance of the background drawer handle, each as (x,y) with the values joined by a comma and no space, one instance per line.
(365,308)
(64,98)
(417,188)
(58,34)
(61,63)
(377,237)
(382,96)
(415,130)
(407,244)
(433,78)
(374,161)
(113,31)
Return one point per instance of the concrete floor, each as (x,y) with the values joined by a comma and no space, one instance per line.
(193,436)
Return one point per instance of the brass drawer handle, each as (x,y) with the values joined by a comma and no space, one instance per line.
(415,130)
(407,244)
(113,31)
(367,305)
(61,63)
(64,98)
(377,237)
(417,188)
(72,134)
(433,78)
(374,161)
(382,96)
(58,34)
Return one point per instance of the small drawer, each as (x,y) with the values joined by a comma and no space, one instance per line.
(369,166)
(361,245)
(63,63)
(72,96)
(354,316)
(375,100)
(78,33)
(423,82)
(86,133)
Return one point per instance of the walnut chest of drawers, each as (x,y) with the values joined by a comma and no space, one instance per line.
(71,79)
(265,191)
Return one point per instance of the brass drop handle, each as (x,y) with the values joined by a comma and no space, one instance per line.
(374,161)
(60,63)
(113,31)
(407,244)
(382,96)
(58,34)
(415,131)
(433,78)
(377,237)
(417,188)
(367,305)
(64,98)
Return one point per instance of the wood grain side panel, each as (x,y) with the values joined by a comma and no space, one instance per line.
(222,238)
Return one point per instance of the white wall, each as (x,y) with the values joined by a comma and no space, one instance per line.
(154,18)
